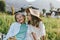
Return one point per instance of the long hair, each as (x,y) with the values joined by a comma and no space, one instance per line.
(18,13)
(35,21)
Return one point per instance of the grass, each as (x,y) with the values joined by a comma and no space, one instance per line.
(52,26)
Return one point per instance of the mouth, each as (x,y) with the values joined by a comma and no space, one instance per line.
(20,20)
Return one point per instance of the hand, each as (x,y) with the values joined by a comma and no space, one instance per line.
(34,35)
(12,38)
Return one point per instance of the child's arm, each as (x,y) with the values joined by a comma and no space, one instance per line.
(10,31)
(43,32)
(34,35)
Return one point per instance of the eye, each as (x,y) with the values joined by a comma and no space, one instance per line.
(19,16)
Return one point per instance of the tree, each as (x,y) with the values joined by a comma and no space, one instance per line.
(44,10)
(13,10)
(2,6)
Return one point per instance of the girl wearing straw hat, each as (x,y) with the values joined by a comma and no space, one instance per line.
(37,28)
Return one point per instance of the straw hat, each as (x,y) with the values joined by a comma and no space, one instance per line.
(34,12)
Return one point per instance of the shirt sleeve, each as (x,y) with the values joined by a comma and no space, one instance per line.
(42,29)
(29,29)
(9,32)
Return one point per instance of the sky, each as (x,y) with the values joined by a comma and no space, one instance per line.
(30,0)
(41,4)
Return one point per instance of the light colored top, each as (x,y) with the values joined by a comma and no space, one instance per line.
(22,33)
(39,31)
(14,29)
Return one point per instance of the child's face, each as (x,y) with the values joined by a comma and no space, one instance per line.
(20,18)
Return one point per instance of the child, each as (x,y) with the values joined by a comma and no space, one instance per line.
(37,28)
(18,29)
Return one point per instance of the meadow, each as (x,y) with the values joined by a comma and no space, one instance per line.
(52,26)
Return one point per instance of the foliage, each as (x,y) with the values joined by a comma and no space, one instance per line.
(2,6)
(52,26)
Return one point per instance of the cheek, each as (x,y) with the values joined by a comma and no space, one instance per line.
(22,19)
(29,18)
(17,20)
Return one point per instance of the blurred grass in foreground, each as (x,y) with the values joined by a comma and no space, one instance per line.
(52,26)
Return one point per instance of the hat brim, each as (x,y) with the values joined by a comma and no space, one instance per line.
(35,13)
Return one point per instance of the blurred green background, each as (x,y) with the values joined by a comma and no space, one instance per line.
(52,25)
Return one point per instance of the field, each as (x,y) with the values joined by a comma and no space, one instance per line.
(52,26)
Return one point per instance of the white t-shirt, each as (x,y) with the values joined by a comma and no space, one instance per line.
(38,31)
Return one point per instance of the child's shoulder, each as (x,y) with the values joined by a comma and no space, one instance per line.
(40,22)
(15,23)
